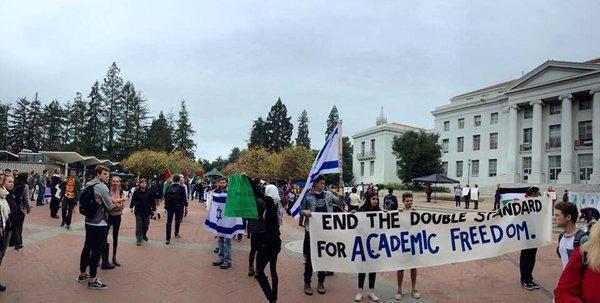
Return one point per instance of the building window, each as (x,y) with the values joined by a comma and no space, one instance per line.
(555,108)
(475,168)
(527,136)
(585,130)
(553,167)
(477,120)
(494,141)
(446,125)
(460,144)
(362,169)
(362,147)
(492,167)
(528,112)
(373,145)
(459,169)
(554,136)
(526,168)
(494,118)
(585,167)
(461,123)
(476,142)
(445,143)
(445,168)
(371,168)
(585,104)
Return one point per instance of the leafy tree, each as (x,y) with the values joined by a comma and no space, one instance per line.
(303,139)
(256,162)
(332,120)
(347,152)
(148,163)
(258,135)
(76,123)
(52,117)
(279,128)
(184,132)
(160,135)
(294,163)
(4,110)
(18,123)
(418,154)
(34,126)
(112,89)
(94,129)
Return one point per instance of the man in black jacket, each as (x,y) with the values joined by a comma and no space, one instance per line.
(143,201)
(175,203)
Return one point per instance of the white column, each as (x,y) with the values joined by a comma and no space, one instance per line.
(537,176)
(567,175)
(595,177)
(512,141)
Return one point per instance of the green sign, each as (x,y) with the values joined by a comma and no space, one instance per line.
(240,198)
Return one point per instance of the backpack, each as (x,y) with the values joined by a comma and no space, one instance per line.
(87,202)
(172,196)
(576,242)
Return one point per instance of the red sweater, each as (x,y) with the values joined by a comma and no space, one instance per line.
(574,287)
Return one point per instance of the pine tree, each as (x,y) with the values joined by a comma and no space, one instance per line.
(4,110)
(184,132)
(160,134)
(112,89)
(67,136)
(34,127)
(140,121)
(258,135)
(17,126)
(76,123)
(94,129)
(332,120)
(126,138)
(52,117)
(303,139)
(279,128)
(347,151)
(234,155)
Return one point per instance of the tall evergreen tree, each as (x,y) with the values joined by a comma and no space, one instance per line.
(332,120)
(17,125)
(183,138)
(35,128)
(160,134)
(279,127)
(347,151)
(76,123)
(67,136)
(52,117)
(133,115)
(140,121)
(303,139)
(4,110)
(258,135)
(112,89)
(234,155)
(94,129)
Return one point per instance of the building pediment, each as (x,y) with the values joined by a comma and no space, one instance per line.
(552,72)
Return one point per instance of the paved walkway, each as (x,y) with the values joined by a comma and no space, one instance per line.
(46,268)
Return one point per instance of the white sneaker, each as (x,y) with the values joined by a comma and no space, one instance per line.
(373,296)
(398,296)
(359,296)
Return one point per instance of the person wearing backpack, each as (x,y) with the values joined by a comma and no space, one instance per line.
(565,216)
(94,203)
(390,202)
(175,202)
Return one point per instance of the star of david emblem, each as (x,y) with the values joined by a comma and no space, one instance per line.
(219,213)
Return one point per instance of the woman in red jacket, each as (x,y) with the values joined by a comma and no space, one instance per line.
(580,281)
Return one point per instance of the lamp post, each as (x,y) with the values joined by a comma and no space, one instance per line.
(469,171)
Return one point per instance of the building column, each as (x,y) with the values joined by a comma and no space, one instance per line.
(537,175)
(512,141)
(595,177)
(567,174)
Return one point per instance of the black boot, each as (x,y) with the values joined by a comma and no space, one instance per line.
(105,263)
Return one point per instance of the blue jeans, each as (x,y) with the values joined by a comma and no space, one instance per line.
(225,250)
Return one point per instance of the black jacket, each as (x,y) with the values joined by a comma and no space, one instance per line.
(181,202)
(143,201)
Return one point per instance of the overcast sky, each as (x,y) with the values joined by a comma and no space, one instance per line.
(231,60)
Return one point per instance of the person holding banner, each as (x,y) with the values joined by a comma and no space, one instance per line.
(407,199)
(316,200)
(371,204)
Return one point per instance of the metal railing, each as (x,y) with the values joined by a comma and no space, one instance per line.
(366,155)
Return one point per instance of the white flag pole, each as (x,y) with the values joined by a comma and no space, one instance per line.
(341,159)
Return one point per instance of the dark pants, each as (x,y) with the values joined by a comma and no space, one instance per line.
(527,263)
(467,201)
(497,204)
(4,245)
(54,206)
(476,204)
(428,197)
(95,238)
(267,254)
(308,269)
(352,207)
(457,201)
(142,222)
(17,231)
(178,213)
(67,210)
(40,196)
(361,280)
(115,222)
(254,246)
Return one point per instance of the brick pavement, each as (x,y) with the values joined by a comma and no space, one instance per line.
(46,268)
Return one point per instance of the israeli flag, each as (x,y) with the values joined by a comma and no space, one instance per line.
(217,223)
(327,162)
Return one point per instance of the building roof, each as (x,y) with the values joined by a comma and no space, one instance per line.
(73,157)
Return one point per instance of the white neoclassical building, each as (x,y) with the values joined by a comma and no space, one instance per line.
(542,128)
(373,160)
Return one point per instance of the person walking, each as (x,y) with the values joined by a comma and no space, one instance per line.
(407,200)
(42,181)
(55,183)
(353,200)
(565,216)
(6,207)
(457,195)
(21,198)
(143,201)
(175,202)
(371,204)
(119,198)
(96,227)
(71,189)
(466,194)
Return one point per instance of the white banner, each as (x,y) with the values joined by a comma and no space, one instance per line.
(583,200)
(380,241)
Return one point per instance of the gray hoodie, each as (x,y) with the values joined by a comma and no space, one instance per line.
(102,197)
